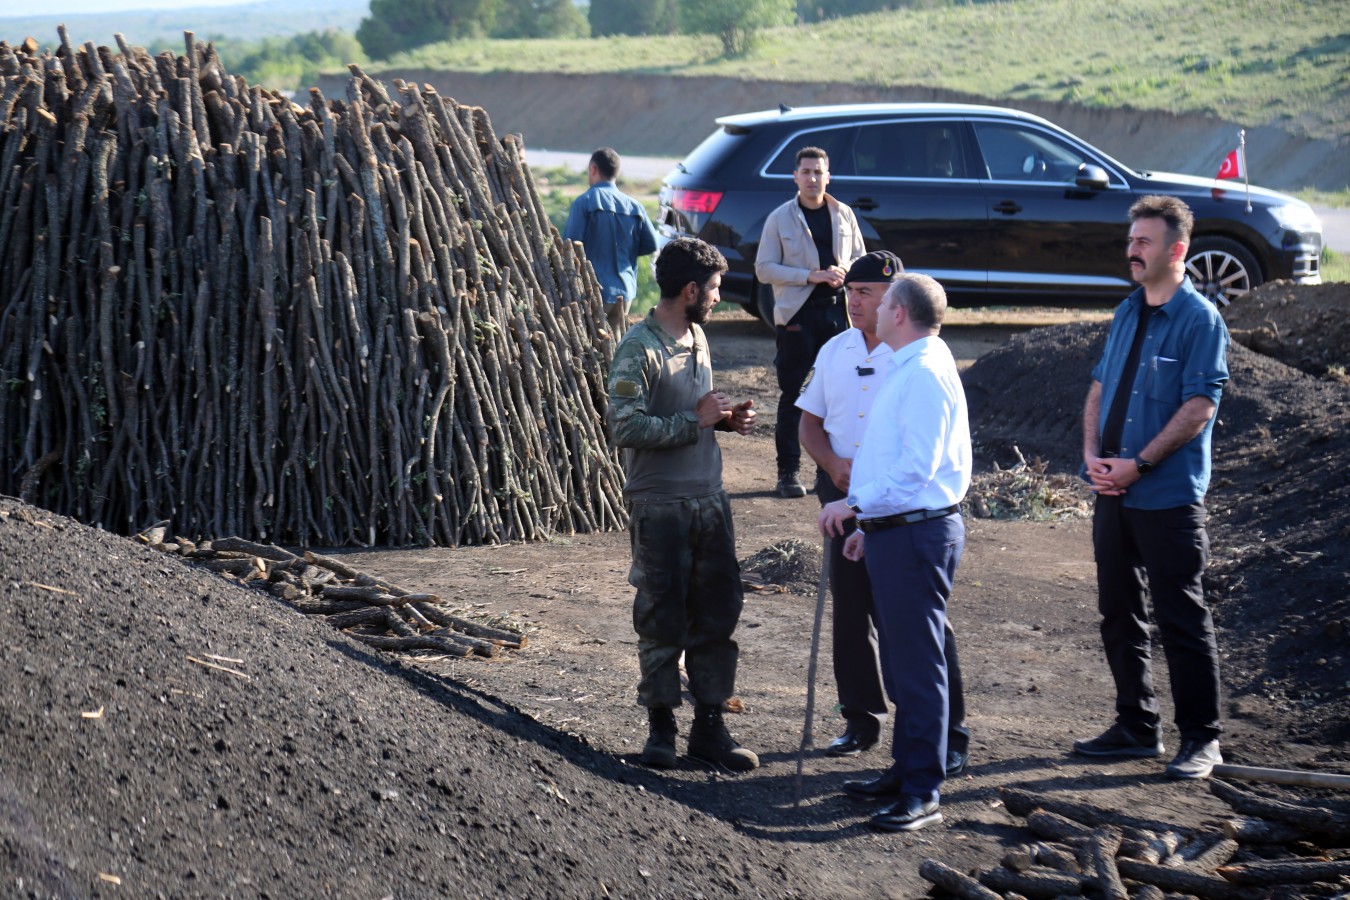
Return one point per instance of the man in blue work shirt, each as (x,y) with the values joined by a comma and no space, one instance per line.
(615,231)
(1147,457)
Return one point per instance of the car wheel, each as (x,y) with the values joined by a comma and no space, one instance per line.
(1222,269)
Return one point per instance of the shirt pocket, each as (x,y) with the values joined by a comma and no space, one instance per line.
(1163,381)
(792,242)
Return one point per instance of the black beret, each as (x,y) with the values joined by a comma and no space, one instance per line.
(879,266)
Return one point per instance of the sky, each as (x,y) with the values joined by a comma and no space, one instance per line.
(16,8)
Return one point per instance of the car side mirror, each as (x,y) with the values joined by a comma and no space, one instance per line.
(1091,177)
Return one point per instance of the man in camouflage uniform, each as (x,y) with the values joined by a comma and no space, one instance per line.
(663,411)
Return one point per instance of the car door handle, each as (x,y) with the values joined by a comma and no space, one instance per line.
(1008,207)
(865,203)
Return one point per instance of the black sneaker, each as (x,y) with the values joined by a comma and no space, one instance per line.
(1195,759)
(790,486)
(1119,741)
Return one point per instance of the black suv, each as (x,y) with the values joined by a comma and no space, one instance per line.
(998,205)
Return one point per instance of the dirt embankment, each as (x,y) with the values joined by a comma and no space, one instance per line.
(666,115)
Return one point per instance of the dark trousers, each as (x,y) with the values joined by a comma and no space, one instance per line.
(798,343)
(857,666)
(912,567)
(1171,547)
(689,598)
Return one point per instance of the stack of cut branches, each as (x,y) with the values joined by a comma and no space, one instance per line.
(347,322)
(1084,850)
(370,610)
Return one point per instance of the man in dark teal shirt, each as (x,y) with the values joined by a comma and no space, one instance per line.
(615,231)
(1146,452)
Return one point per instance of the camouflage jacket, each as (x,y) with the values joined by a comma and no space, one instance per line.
(654,385)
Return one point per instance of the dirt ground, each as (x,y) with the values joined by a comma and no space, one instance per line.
(167,732)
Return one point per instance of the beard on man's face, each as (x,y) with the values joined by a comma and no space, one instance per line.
(697,312)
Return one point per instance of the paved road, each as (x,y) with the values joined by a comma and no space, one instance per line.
(1335,222)
(639,168)
(1335,228)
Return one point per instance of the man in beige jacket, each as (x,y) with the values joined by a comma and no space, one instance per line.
(804,252)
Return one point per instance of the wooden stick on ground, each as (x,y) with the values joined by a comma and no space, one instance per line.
(953,882)
(1284,776)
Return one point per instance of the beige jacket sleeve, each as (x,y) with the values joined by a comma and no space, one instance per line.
(787,255)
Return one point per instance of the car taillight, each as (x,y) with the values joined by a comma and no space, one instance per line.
(696,201)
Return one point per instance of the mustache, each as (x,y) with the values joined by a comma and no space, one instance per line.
(1136,259)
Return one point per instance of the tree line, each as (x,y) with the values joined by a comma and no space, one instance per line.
(395,26)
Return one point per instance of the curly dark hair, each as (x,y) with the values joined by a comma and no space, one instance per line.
(1175,213)
(686,260)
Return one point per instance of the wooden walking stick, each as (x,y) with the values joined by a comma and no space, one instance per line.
(811,669)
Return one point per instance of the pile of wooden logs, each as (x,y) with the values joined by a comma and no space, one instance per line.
(372,611)
(1081,850)
(347,322)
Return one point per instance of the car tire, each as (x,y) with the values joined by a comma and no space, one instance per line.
(1222,269)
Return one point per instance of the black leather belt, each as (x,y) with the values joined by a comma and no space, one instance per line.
(881,523)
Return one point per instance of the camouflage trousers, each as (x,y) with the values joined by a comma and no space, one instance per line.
(689,598)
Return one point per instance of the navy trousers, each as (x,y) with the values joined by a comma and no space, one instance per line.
(858,675)
(911,569)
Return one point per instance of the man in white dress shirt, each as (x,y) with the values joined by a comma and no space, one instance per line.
(906,485)
(835,403)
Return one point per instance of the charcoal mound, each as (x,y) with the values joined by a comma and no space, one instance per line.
(187,736)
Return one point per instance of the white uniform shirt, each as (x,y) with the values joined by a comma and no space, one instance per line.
(838,393)
(916,451)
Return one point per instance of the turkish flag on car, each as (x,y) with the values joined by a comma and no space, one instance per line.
(1232,167)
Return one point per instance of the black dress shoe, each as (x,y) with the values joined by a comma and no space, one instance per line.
(850,743)
(908,814)
(885,787)
(956,762)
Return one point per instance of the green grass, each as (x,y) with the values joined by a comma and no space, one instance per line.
(1335,266)
(1257,62)
(1333,199)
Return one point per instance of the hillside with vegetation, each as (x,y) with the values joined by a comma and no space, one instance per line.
(1258,62)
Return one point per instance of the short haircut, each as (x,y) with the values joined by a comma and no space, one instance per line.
(922,297)
(686,260)
(1173,212)
(606,162)
(812,153)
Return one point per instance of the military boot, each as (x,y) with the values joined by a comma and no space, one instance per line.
(790,485)
(659,751)
(709,741)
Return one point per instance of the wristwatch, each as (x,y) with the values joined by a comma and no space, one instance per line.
(852,503)
(1143,465)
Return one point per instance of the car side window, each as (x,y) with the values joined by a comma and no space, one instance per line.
(1018,153)
(908,150)
(836,142)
